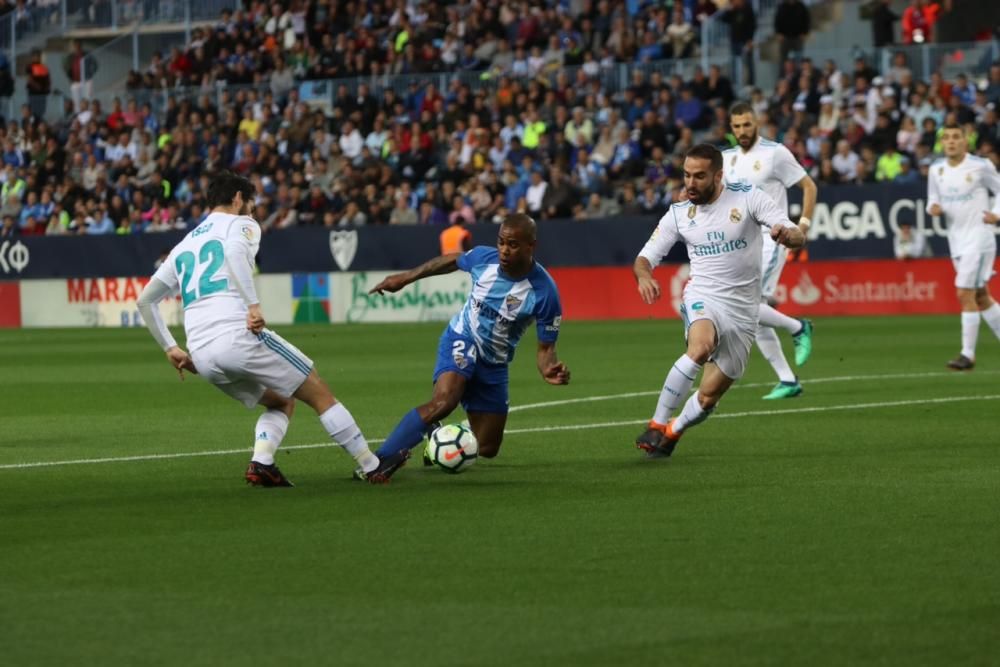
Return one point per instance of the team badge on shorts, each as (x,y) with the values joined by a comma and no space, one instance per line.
(460,360)
(735,215)
(693,211)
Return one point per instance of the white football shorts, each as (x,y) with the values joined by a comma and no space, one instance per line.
(736,333)
(243,364)
(974,270)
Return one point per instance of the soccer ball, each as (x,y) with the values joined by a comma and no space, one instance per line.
(453,448)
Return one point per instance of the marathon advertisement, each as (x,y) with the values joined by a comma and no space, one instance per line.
(850,222)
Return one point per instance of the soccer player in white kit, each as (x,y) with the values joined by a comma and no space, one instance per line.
(720,224)
(212,268)
(773,168)
(957,189)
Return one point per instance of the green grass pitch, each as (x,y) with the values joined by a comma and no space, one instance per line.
(780,533)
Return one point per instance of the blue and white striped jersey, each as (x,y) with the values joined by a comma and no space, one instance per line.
(501,308)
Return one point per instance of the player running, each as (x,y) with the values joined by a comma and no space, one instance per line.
(719,224)
(212,268)
(773,168)
(510,289)
(957,188)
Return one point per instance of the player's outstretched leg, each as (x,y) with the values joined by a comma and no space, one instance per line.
(419,421)
(268,434)
(340,425)
(658,440)
(701,405)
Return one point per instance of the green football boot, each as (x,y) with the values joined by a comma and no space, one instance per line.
(784,390)
(803,341)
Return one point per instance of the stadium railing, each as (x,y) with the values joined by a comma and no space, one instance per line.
(117,13)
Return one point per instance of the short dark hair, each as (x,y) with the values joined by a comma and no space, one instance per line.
(522,222)
(740,108)
(953,126)
(224,188)
(706,152)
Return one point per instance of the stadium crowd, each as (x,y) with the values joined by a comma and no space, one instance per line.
(534,134)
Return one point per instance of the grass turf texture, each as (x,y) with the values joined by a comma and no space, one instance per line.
(828,537)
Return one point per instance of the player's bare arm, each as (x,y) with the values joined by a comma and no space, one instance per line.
(649,288)
(433,267)
(552,370)
(790,237)
(809,195)
(990,218)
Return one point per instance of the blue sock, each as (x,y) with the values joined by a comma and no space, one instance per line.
(407,434)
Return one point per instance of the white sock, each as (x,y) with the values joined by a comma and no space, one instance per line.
(341,426)
(770,347)
(675,387)
(769,317)
(692,415)
(992,317)
(268,434)
(970,332)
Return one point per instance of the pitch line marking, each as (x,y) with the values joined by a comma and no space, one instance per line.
(539,429)
(751,385)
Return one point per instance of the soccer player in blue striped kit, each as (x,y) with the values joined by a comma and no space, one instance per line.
(510,290)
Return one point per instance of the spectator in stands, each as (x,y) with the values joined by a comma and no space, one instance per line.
(883,23)
(792,24)
(909,243)
(39,85)
(742,26)
(80,69)
(889,165)
(455,238)
(918,21)
(845,162)
(679,35)
(9,228)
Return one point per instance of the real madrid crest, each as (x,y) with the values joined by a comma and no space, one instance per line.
(756,165)
(968,178)
(693,211)
(732,162)
(735,215)
(940,171)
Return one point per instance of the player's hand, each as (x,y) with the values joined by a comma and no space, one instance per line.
(990,218)
(556,373)
(180,360)
(393,283)
(255,319)
(649,290)
(935,210)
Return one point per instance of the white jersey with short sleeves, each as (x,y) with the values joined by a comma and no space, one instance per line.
(212,268)
(961,191)
(768,165)
(724,246)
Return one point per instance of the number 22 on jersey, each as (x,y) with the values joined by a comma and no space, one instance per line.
(210,259)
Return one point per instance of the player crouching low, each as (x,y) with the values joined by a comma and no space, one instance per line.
(212,268)
(720,226)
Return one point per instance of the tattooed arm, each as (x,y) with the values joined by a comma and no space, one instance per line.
(434,267)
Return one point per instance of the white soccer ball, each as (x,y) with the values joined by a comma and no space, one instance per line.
(453,448)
